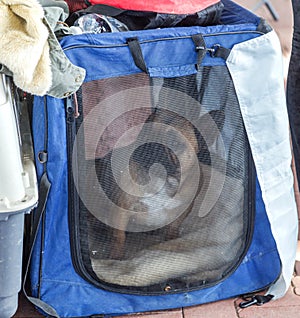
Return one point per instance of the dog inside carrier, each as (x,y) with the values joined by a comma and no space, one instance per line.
(165,182)
(160,181)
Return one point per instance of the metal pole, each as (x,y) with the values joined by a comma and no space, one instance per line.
(269,6)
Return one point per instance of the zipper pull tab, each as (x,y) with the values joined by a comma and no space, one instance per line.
(72,108)
(76,111)
(257,300)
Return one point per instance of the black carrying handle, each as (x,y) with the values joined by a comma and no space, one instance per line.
(200,46)
(137,54)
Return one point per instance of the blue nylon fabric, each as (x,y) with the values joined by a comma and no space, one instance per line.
(82,299)
(56,171)
(116,60)
(61,286)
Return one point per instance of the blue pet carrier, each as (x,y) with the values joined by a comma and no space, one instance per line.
(166,178)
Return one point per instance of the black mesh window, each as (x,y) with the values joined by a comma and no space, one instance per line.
(163,177)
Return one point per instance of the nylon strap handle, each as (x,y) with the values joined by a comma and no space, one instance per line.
(215,51)
(137,54)
(220,51)
(200,47)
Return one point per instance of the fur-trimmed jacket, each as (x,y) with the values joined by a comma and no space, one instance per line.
(30,51)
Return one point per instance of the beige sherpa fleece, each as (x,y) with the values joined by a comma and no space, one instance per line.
(24,48)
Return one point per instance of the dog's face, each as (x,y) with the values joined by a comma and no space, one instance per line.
(179,140)
(175,149)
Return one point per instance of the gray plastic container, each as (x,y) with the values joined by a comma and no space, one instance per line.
(11,247)
(18,194)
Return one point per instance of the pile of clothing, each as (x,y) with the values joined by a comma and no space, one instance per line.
(30,52)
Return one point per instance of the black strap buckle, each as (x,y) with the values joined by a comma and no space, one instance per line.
(257,300)
(213,50)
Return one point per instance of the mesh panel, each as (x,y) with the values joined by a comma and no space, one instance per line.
(162,174)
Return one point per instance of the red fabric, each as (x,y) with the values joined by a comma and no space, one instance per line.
(161,6)
(75,5)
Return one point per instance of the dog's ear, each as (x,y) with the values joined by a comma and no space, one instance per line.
(209,127)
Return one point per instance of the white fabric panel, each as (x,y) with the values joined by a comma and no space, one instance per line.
(257,72)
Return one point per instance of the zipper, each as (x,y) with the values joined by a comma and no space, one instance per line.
(71,47)
(73,110)
(72,113)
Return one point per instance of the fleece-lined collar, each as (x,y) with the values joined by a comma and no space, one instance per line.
(30,51)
